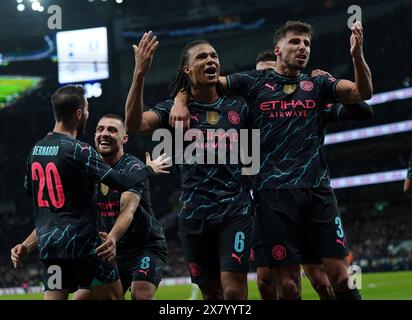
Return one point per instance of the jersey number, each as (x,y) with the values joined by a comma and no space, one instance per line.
(46,177)
(239,241)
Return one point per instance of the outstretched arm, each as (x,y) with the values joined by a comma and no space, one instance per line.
(362,89)
(136,120)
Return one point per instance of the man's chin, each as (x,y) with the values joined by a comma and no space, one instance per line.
(105,152)
(300,67)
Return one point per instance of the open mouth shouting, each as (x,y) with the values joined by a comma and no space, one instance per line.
(211,72)
(301,57)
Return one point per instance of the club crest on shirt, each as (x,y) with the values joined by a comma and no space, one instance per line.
(233,117)
(306,85)
(212,117)
(289,88)
(104,189)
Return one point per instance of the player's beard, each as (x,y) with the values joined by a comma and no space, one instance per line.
(110,152)
(293,65)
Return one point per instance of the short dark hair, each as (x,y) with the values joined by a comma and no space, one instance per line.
(114,116)
(66,101)
(293,26)
(266,55)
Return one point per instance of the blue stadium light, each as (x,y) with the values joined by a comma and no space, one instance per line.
(21,7)
(369,178)
(368,132)
(399,94)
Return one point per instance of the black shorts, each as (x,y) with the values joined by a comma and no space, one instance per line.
(300,226)
(142,265)
(213,247)
(73,274)
(258,257)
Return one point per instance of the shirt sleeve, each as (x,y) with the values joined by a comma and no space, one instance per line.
(242,83)
(162,109)
(91,163)
(360,111)
(139,187)
(409,175)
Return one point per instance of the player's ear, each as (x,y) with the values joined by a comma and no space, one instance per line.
(79,113)
(277,51)
(125,139)
(186,69)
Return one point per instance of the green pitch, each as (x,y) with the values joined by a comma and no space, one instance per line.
(12,87)
(375,286)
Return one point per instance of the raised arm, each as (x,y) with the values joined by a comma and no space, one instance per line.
(136,120)
(362,89)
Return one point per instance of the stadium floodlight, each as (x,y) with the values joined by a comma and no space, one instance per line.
(21,7)
(369,178)
(41,9)
(399,94)
(119,1)
(19,1)
(369,132)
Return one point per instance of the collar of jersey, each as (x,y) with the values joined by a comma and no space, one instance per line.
(52,133)
(286,77)
(120,160)
(219,100)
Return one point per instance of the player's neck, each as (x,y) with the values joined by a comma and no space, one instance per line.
(286,71)
(204,94)
(112,159)
(61,128)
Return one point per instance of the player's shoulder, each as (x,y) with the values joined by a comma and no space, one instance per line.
(233,101)
(79,144)
(57,139)
(166,104)
(321,78)
(251,74)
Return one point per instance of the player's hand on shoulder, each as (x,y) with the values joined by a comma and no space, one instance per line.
(160,164)
(179,113)
(179,117)
(144,52)
(107,250)
(17,254)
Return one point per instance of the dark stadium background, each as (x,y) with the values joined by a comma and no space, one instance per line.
(377,217)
